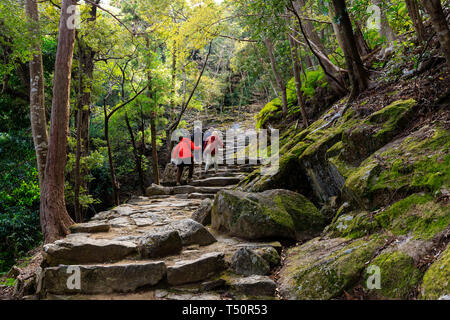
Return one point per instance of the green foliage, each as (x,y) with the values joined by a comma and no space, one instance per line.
(312,80)
(19,198)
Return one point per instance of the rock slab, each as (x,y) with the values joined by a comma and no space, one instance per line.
(196,270)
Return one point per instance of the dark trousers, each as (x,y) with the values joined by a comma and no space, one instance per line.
(181,168)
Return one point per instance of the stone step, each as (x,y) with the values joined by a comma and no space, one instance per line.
(190,271)
(195,195)
(95,279)
(187,189)
(81,250)
(215,182)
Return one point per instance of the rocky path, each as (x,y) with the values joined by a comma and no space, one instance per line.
(160,247)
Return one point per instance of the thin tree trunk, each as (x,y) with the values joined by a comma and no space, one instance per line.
(279,80)
(154,150)
(359,78)
(112,170)
(37,98)
(137,157)
(440,25)
(414,14)
(153,130)
(114,182)
(298,81)
(55,221)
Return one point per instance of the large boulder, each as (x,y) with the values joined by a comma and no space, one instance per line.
(160,243)
(248,263)
(269,214)
(203,213)
(192,232)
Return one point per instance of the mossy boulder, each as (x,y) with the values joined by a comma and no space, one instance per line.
(323,268)
(270,214)
(303,166)
(399,276)
(419,162)
(436,281)
(377,130)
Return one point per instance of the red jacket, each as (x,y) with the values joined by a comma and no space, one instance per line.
(183,149)
(211,144)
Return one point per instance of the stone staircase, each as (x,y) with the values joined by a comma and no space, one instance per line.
(150,248)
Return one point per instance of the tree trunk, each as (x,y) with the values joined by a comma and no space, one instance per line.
(414,14)
(361,43)
(153,130)
(112,171)
(280,83)
(299,6)
(332,72)
(335,26)
(359,78)
(434,9)
(137,157)
(154,150)
(298,81)
(37,98)
(55,221)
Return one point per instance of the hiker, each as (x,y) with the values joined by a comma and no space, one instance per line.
(209,154)
(182,155)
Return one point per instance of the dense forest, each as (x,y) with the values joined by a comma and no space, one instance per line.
(93,91)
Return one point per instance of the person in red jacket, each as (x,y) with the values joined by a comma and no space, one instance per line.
(211,146)
(182,155)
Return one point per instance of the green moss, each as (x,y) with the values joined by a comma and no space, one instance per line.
(343,167)
(298,212)
(268,112)
(399,277)
(420,162)
(354,225)
(327,276)
(436,281)
(390,115)
(418,214)
(335,150)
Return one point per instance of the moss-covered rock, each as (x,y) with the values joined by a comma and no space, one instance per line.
(418,214)
(376,131)
(353,225)
(323,269)
(420,162)
(436,281)
(399,276)
(303,164)
(273,213)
